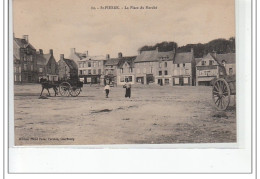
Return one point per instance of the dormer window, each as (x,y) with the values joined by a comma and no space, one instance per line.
(223,62)
(203,62)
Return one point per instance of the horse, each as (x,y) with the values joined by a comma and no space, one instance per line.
(46,85)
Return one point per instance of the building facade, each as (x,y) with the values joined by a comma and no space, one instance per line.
(214,66)
(206,70)
(154,67)
(77,56)
(91,69)
(110,70)
(67,69)
(126,70)
(184,67)
(25,64)
(47,66)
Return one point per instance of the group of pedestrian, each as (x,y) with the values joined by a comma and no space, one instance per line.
(127,87)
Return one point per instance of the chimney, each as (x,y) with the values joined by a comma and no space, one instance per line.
(120,55)
(86,52)
(26,37)
(51,51)
(107,56)
(61,56)
(41,51)
(72,50)
(173,50)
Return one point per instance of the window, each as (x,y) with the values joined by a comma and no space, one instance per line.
(203,62)
(94,71)
(176,81)
(99,71)
(165,64)
(210,62)
(80,72)
(185,80)
(160,73)
(160,64)
(89,64)
(183,64)
(165,72)
(94,64)
(178,65)
(129,78)
(121,70)
(25,66)
(166,81)
(89,72)
(99,63)
(130,70)
(231,71)
(40,70)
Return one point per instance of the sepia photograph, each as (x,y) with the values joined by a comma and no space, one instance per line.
(109,72)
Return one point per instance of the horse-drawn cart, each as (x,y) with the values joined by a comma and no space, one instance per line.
(66,88)
(70,88)
(222,89)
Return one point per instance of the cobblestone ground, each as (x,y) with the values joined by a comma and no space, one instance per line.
(153,115)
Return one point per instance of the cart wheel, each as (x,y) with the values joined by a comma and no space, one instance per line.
(221,94)
(74,91)
(64,89)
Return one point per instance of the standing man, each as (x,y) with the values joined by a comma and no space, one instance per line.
(127,89)
(107,88)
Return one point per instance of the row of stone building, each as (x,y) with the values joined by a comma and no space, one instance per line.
(148,67)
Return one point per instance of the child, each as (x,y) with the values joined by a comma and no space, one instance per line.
(107,88)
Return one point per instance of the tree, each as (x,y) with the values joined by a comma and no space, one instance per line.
(162,47)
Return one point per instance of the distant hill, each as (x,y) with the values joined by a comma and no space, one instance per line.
(162,47)
(218,45)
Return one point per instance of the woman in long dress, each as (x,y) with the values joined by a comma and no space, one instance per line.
(127,89)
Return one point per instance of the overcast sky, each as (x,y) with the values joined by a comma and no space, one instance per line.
(64,24)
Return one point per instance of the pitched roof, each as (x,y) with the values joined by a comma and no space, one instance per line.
(197,60)
(71,64)
(154,55)
(80,55)
(129,60)
(184,57)
(22,43)
(40,59)
(230,58)
(168,55)
(100,57)
(147,56)
(112,62)
(47,56)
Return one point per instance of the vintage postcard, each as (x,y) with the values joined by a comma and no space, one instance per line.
(105,72)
